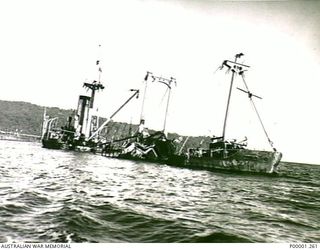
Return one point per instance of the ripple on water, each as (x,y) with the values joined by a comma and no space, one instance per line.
(60,196)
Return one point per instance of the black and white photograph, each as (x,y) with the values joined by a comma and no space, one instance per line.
(159,121)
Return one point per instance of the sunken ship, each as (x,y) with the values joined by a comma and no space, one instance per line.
(82,132)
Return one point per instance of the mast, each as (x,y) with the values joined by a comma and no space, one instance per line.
(44,123)
(165,81)
(230,91)
(95,85)
(144,94)
(167,107)
(86,103)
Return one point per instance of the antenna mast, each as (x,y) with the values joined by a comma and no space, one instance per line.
(87,105)
(235,68)
(144,94)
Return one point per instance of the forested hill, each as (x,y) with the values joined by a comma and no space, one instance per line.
(27,118)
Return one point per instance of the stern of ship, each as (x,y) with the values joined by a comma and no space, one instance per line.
(243,160)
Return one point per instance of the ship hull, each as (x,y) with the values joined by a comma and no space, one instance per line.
(244,161)
(53,144)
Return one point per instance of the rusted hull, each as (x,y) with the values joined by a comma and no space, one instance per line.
(53,144)
(244,160)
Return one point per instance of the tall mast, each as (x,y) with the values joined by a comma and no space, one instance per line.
(230,91)
(144,94)
(44,123)
(98,64)
(94,86)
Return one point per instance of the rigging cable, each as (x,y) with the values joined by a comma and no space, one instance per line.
(254,106)
(164,95)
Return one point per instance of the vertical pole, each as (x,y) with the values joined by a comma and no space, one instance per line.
(167,108)
(144,96)
(98,64)
(44,123)
(228,103)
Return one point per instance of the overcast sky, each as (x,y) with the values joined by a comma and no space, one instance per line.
(48,49)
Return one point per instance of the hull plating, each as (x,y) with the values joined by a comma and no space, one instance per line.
(243,160)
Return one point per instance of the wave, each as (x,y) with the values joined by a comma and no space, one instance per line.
(58,196)
(219,237)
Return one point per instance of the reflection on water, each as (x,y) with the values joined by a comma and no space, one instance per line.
(60,196)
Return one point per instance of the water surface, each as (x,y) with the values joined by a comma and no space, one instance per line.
(62,196)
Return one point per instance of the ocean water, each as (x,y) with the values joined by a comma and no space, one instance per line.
(62,196)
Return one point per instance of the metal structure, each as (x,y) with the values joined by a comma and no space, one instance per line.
(135,94)
(166,81)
